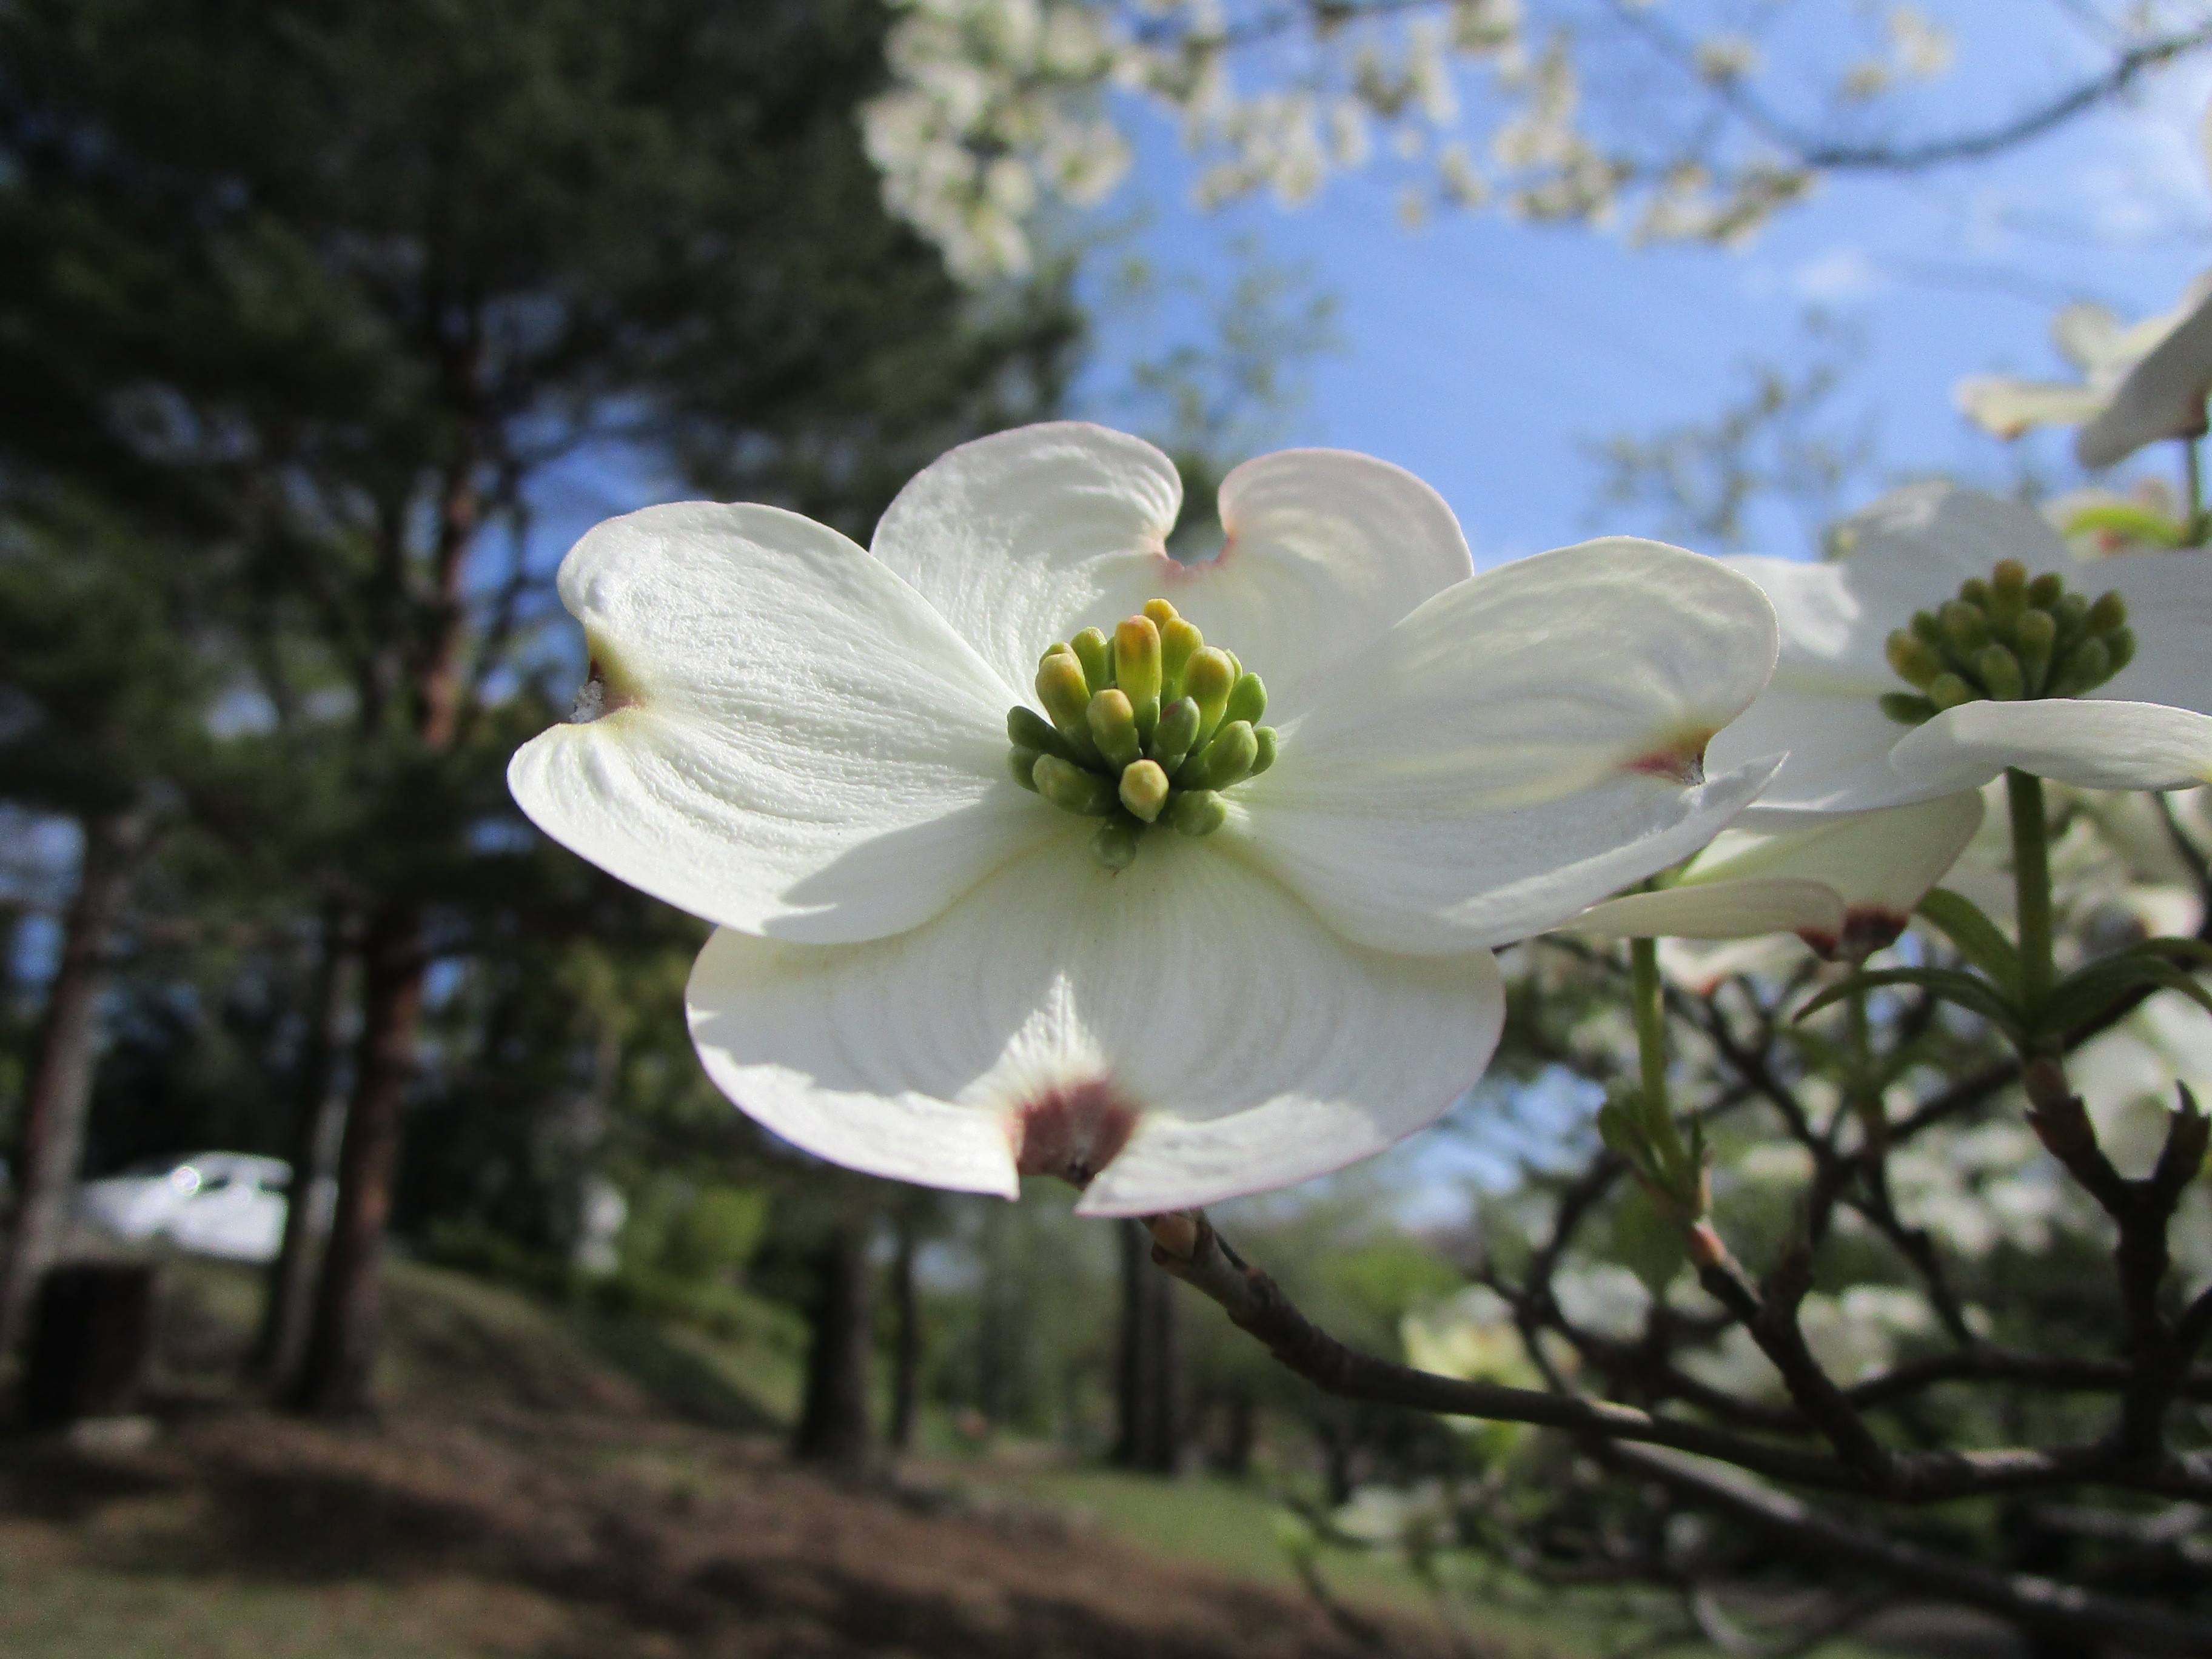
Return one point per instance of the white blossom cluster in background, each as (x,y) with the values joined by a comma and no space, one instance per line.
(998,108)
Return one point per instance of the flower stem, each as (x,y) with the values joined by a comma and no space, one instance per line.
(1648,998)
(2030,874)
(2192,469)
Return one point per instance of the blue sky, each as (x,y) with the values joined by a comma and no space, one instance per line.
(1484,355)
(1481,353)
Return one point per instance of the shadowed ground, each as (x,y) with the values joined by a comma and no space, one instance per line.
(524,1496)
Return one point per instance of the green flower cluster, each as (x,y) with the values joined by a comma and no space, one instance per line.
(2006,638)
(1148,727)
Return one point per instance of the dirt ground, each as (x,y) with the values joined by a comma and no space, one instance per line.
(519,1503)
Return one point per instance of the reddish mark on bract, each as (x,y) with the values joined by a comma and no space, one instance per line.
(1072,1132)
(1680,762)
(1866,929)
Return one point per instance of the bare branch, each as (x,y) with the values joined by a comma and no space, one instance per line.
(1184,1243)
(2021,1597)
(2126,68)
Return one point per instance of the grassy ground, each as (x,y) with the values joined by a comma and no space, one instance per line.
(545,1486)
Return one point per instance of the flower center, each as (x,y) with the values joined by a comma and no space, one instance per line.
(1148,727)
(2006,638)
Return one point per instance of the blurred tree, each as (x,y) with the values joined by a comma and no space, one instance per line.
(1696,122)
(332,288)
(1147,1377)
(100,700)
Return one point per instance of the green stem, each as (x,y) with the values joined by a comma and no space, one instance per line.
(2193,467)
(1650,1000)
(2030,874)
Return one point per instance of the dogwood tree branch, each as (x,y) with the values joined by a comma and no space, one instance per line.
(2024,1598)
(1185,1244)
(1808,150)
(2142,1211)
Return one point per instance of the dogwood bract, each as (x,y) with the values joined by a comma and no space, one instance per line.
(1847,885)
(1946,646)
(1008,880)
(2139,383)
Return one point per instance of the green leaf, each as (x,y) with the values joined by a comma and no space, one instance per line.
(1948,983)
(2139,524)
(1979,939)
(2195,952)
(2090,993)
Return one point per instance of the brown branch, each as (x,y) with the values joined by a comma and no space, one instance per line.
(1981,1363)
(2142,1210)
(2126,68)
(2023,1598)
(1185,1244)
(1769,1314)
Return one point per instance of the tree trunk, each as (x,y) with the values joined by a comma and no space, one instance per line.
(1146,1385)
(833,1425)
(336,1376)
(58,1093)
(1164,1374)
(335,1372)
(318,1129)
(906,1340)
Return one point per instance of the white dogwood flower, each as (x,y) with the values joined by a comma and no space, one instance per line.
(1193,937)
(2139,383)
(1847,885)
(1945,646)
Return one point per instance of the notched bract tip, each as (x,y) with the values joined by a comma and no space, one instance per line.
(1072,1132)
(1681,760)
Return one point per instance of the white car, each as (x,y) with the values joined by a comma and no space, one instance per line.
(223,1204)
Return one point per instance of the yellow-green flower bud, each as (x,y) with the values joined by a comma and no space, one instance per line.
(1065,691)
(2043,593)
(1965,628)
(1248,699)
(1177,731)
(2120,646)
(1927,626)
(1144,724)
(1071,788)
(1144,789)
(1027,729)
(2087,665)
(2072,615)
(1137,661)
(1264,754)
(1114,845)
(1948,691)
(1913,658)
(1974,591)
(2007,598)
(2035,638)
(1197,811)
(1226,761)
(1097,657)
(1179,643)
(1207,683)
(1905,708)
(2000,671)
(1114,726)
(2109,612)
